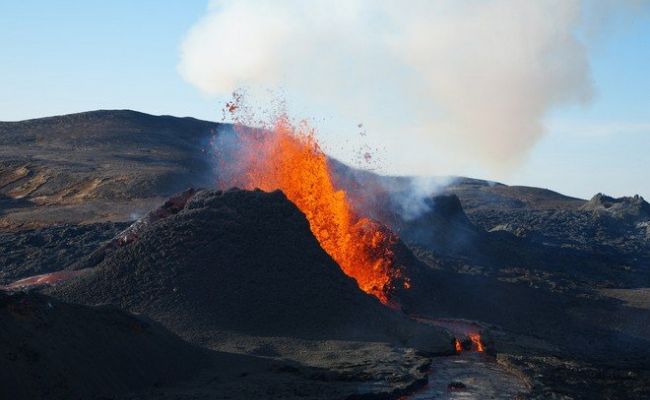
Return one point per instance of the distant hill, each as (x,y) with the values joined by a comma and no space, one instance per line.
(95,165)
(113,165)
(480,194)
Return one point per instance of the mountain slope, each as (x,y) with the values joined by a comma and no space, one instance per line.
(244,262)
(98,165)
(56,350)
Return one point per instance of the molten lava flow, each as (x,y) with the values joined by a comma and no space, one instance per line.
(476,340)
(291,160)
(458,346)
(43,279)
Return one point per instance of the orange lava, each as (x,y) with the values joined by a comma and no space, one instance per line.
(290,159)
(458,346)
(43,279)
(476,340)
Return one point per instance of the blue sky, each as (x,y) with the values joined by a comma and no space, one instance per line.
(603,146)
(70,56)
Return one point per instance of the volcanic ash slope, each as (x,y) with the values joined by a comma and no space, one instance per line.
(54,350)
(243,262)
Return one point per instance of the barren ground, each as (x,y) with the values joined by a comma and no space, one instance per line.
(559,285)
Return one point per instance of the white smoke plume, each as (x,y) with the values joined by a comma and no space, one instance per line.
(472,78)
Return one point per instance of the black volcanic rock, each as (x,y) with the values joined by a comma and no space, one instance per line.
(477,195)
(443,227)
(53,350)
(626,208)
(36,251)
(241,261)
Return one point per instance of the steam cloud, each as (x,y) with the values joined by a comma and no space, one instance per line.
(475,77)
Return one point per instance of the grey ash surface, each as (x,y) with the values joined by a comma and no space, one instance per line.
(47,249)
(55,350)
(59,351)
(98,166)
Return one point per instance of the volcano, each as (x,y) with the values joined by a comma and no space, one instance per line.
(246,262)
(556,286)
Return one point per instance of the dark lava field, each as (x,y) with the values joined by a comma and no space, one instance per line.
(117,282)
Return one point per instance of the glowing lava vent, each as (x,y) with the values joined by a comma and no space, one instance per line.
(472,342)
(476,341)
(289,158)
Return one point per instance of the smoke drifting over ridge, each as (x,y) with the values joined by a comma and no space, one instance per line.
(471,77)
